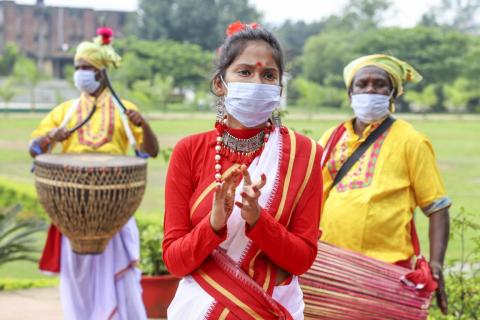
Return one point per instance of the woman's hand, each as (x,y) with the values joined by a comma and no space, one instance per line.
(250,194)
(223,200)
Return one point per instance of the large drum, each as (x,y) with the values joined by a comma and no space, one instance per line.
(89,197)
(345,285)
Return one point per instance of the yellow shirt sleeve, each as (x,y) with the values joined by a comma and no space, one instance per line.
(53,120)
(425,177)
(137,131)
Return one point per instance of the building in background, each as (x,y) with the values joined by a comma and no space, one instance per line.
(48,33)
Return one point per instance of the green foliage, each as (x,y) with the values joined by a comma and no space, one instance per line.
(424,100)
(7,284)
(151,237)
(190,21)
(463,281)
(12,193)
(17,241)
(460,94)
(7,91)
(152,94)
(326,54)
(166,153)
(314,96)
(187,64)
(27,73)
(365,14)
(293,35)
(455,14)
(441,56)
(8,58)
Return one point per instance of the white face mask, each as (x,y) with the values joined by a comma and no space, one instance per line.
(85,81)
(369,108)
(251,103)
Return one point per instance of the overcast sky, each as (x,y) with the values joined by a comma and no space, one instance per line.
(404,12)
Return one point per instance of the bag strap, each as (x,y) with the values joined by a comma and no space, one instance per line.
(361,149)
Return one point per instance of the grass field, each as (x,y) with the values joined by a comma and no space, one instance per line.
(456,143)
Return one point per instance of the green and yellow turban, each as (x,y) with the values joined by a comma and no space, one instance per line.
(100,52)
(398,70)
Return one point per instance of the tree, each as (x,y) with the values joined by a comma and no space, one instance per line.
(327,54)
(459,94)
(423,100)
(132,69)
(293,35)
(462,15)
(314,96)
(365,14)
(188,64)
(153,93)
(441,56)
(187,20)
(7,60)
(26,72)
(7,93)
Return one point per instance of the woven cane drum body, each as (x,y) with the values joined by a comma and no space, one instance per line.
(89,197)
(345,285)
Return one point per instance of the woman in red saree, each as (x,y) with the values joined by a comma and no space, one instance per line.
(243,201)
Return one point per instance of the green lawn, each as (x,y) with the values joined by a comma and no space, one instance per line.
(455,142)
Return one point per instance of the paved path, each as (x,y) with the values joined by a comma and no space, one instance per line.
(32,304)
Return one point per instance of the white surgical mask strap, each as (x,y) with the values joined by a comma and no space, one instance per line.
(224,83)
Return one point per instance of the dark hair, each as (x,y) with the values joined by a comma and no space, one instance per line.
(236,44)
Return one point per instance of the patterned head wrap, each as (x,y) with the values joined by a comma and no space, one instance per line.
(100,52)
(398,70)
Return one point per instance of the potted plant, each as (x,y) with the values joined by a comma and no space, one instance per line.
(158,285)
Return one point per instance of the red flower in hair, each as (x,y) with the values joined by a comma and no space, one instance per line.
(106,33)
(238,26)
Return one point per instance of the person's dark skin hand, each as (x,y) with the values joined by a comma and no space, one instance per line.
(58,134)
(442,300)
(135,117)
(439,229)
(150,143)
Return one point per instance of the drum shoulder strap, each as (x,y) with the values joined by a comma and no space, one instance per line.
(347,165)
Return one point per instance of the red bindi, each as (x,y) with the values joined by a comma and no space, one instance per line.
(259,64)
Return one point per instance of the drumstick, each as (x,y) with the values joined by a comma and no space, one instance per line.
(81,124)
(114,94)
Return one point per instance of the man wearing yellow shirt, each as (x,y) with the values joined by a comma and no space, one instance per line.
(107,285)
(370,210)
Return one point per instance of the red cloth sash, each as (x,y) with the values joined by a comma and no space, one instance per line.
(50,259)
(237,295)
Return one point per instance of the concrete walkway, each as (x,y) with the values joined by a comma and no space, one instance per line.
(31,304)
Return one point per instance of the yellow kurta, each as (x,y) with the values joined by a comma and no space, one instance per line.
(103,133)
(371,209)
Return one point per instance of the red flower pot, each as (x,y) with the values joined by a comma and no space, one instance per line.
(158,292)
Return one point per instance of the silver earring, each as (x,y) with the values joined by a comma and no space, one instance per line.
(277,121)
(220,106)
